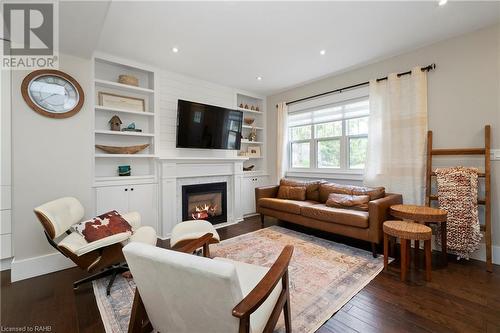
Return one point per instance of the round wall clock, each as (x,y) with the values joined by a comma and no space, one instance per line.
(52,93)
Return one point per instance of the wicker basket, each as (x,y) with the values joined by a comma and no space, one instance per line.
(122,150)
(129,80)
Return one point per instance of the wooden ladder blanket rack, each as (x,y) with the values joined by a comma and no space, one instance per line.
(486,201)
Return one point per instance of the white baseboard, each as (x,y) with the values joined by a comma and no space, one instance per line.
(5,264)
(31,267)
(481,254)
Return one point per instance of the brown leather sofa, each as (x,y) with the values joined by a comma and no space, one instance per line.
(360,223)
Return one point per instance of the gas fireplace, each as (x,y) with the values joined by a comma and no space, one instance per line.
(205,202)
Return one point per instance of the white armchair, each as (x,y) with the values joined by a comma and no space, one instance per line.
(104,255)
(184,293)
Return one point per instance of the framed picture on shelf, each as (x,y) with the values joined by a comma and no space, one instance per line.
(253,151)
(121,102)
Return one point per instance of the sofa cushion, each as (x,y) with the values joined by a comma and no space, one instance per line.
(312,187)
(349,217)
(289,206)
(326,188)
(292,192)
(337,200)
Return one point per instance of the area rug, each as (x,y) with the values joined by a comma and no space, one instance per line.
(324,276)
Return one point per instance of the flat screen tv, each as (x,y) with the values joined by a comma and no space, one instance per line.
(208,127)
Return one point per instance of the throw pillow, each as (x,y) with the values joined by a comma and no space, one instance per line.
(339,200)
(102,226)
(292,193)
(326,188)
(312,187)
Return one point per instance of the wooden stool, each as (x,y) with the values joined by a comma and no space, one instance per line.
(406,232)
(424,214)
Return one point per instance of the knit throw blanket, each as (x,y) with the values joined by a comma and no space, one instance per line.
(457,194)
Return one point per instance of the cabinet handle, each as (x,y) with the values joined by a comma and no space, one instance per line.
(126,189)
(132,189)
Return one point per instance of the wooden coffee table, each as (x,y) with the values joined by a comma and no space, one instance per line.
(425,215)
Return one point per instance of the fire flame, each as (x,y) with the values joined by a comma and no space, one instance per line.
(203,211)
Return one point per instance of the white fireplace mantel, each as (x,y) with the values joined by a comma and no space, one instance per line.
(178,171)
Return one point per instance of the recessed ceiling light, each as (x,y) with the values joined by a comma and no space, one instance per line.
(442,2)
(175,50)
(259,78)
(323,52)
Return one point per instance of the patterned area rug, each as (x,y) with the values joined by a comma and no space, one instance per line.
(323,275)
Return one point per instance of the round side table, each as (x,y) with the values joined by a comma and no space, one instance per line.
(406,232)
(425,215)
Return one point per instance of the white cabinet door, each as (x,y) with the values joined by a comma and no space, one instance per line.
(144,199)
(247,195)
(112,198)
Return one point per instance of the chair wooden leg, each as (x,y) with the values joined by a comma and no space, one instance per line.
(286,307)
(415,253)
(206,250)
(428,258)
(139,321)
(386,251)
(262,220)
(404,258)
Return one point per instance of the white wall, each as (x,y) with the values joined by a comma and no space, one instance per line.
(50,158)
(463,96)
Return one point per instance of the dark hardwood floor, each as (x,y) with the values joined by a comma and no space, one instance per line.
(462,297)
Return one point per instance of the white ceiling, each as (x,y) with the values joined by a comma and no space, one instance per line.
(231,43)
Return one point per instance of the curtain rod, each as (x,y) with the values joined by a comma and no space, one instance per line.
(424,69)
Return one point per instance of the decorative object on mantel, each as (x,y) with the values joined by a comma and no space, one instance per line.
(253,151)
(249,120)
(331,283)
(131,128)
(52,93)
(122,102)
(241,105)
(128,80)
(243,153)
(124,170)
(257,108)
(123,150)
(115,123)
(248,168)
(246,106)
(253,134)
(252,108)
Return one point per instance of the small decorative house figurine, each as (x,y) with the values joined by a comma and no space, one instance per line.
(115,123)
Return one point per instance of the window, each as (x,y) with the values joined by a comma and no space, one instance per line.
(331,137)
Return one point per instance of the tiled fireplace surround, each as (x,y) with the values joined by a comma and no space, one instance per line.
(179,171)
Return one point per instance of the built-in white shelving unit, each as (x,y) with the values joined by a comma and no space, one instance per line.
(244,103)
(107,69)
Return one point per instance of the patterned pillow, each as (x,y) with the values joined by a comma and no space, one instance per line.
(102,226)
(292,193)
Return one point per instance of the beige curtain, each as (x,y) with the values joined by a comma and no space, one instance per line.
(397,135)
(282,140)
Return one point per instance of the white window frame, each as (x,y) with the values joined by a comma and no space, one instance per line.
(344,172)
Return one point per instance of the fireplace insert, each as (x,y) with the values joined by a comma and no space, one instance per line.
(205,202)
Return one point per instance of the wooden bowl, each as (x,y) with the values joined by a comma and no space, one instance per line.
(123,150)
(129,80)
(249,121)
